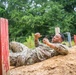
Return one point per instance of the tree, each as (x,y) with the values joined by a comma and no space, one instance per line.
(27,16)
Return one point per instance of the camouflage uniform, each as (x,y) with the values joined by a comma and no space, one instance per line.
(22,55)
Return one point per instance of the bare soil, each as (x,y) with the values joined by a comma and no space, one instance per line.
(57,65)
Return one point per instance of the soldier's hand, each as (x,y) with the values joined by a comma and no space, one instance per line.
(45,41)
(37,35)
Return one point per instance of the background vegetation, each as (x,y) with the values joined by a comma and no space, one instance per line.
(29,16)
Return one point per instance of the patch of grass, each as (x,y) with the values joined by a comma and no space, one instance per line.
(67,43)
(30,41)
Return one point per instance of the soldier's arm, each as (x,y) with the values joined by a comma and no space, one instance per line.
(62,49)
(37,36)
(36,42)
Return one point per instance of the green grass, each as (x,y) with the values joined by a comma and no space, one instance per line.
(30,41)
(66,42)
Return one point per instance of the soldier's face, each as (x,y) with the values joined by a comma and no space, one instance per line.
(57,38)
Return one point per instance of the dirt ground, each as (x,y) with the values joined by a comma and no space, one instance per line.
(57,65)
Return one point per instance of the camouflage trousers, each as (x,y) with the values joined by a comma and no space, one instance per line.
(22,55)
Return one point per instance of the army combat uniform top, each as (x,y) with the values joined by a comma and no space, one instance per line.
(22,55)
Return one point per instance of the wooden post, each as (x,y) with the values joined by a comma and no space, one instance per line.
(75,39)
(57,30)
(4,47)
(69,39)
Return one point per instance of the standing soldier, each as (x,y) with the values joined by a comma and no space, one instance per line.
(22,55)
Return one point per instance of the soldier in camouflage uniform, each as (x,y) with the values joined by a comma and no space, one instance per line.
(22,55)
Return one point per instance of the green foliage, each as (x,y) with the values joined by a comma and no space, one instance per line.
(30,41)
(27,16)
(2,9)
